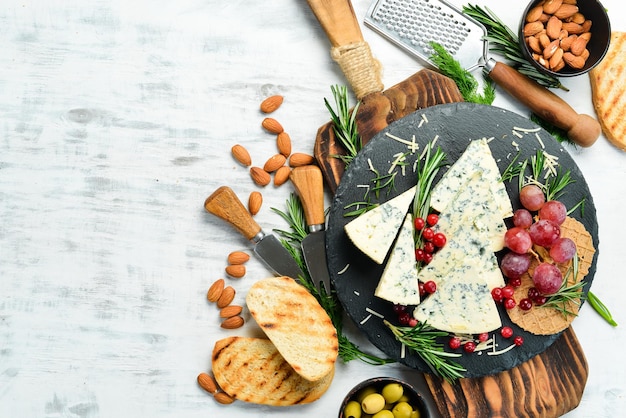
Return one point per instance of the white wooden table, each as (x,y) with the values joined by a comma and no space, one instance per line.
(116,122)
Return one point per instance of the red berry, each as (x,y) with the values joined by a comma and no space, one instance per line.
(508,291)
(428,234)
(540,300)
(482,337)
(533,293)
(420,286)
(430,287)
(509,303)
(404,318)
(428,257)
(454,343)
(506,332)
(397,308)
(518,340)
(516,282)
(419,254)
(525,304)
(469,347)
(419,223)
(496,294)
(439,239)
(429,247)
(412,322)
(432,219)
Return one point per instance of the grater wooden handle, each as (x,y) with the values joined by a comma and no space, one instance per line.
(225,204)
(582,129)
(338,20)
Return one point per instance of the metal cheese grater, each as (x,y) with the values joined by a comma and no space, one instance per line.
(413,24)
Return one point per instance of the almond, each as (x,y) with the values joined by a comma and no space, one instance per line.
(227,296)
(577,18)
(282,175)
(271,103)
(551,49)
(551,6)
(223,398)
(274,163)
(241,155)
(532,28)
(230,311)
(534,14)
(567,42)
(556,60)
(553,28)
(260,176)
(565,11)
(579,45)
(544,40)
(237,271)
(533,43)
(215,291)
(238,257)
(573,28)
(298,159)
(272,125)
(283,143)
(233,322)
(207,382)
(255,200)
(585,26)
(573,60)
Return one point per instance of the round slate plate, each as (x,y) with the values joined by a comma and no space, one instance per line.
(355,276)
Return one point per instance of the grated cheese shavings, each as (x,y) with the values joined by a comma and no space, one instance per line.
(411,145)
(504,350)
(526,130)
(399,158)
(364,320)
(517,134)
(343,270)
(540,141)
(373,312)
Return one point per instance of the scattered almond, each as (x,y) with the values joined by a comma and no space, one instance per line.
(238,257)
(230,311)
(241,155)
(227,296)
(282,175)
(271,103)
(223,398)
(298,159)
(215,291)
(255,200)
(233,322)
(283,143)
(237,271)
(260,176)
(565,11)
(272,125)
(274,163)
(207,382)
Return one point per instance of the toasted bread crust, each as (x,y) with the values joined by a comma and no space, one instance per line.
(295,322)
(252,370)
(608,88)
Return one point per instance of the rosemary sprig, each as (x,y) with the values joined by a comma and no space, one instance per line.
(291,240)
(344,123)
(426,170)
(600,308)
(504,41)
(567,293)
(422,339)
(468,86)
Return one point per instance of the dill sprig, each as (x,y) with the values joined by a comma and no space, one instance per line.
(292,240)
(468,86)
(502,40)
(422,339)
(344,123)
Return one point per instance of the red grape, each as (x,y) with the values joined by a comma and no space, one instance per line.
(554,211)
(518,240)
(562,250)
(544,232)
(532,198)
(522,218)
(513,265)
(547,278)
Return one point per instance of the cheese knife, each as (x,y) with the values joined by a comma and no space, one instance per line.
(309,184)
(225,204)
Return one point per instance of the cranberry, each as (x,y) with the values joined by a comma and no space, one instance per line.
(428,234)
(398,309)
(508,291)
(439,239)
(429,247)
(506,332)
(430,287)
(428,257)
(540,300)
(432,219)
(483,336)
(420,287)
(412,322)
(419,223)
(404,318)
(525,304)
(518,340)
(517,282)
(419,254)
(509,303)
(469,347)
(496,294)
(454,343)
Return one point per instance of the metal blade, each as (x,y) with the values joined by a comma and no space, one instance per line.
(314,251)
(272,252)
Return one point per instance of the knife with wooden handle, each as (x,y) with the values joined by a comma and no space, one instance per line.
(309,184)
(225,204)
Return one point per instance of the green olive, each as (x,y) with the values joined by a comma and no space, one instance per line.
(352,410)
(362,394)
(385,413)
(415,413)
(373,403)
(402,410)
(392,392)
(404,398)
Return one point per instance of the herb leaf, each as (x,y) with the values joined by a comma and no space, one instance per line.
(344,123)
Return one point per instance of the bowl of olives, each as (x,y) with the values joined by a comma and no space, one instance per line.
(383,397)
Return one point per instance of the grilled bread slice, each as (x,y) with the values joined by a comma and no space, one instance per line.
(608,90)
(252,370)
(297,325)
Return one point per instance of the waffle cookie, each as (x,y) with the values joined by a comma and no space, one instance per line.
(546,320)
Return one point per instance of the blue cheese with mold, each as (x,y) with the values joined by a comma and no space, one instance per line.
(374,231)
(398,283)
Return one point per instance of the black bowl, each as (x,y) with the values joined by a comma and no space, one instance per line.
(597,46)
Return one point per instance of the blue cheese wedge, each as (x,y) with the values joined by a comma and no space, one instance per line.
(462,303)
(477,157)
(398,283)
(374,231)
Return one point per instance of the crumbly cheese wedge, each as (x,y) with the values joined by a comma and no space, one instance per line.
(374,231)
(477,157)
(461,304)
(398,284)
(474,204)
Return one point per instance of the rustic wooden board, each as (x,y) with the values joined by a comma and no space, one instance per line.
(549,384)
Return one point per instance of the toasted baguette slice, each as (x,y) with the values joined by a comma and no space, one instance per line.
(297,325)
(608,90)
(252,370)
